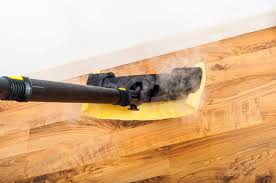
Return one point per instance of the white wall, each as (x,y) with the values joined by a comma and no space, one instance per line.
(40,34)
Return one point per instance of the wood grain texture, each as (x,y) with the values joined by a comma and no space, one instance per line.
(232,138)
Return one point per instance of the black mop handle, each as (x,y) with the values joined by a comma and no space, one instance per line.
(23,89)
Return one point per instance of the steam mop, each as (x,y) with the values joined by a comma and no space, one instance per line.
(136,97)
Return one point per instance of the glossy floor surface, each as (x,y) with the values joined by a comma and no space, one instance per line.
(232,138)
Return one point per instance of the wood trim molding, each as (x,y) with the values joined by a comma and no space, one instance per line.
(159,47)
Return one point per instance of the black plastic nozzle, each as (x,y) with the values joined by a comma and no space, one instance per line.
(153,87)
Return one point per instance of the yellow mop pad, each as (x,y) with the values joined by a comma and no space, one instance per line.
(150,111)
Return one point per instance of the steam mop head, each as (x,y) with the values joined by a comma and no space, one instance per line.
(160,99)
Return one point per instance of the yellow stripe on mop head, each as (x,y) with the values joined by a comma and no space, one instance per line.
(150,111)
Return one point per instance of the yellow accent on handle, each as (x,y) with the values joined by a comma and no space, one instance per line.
(123,89)
(20,78)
